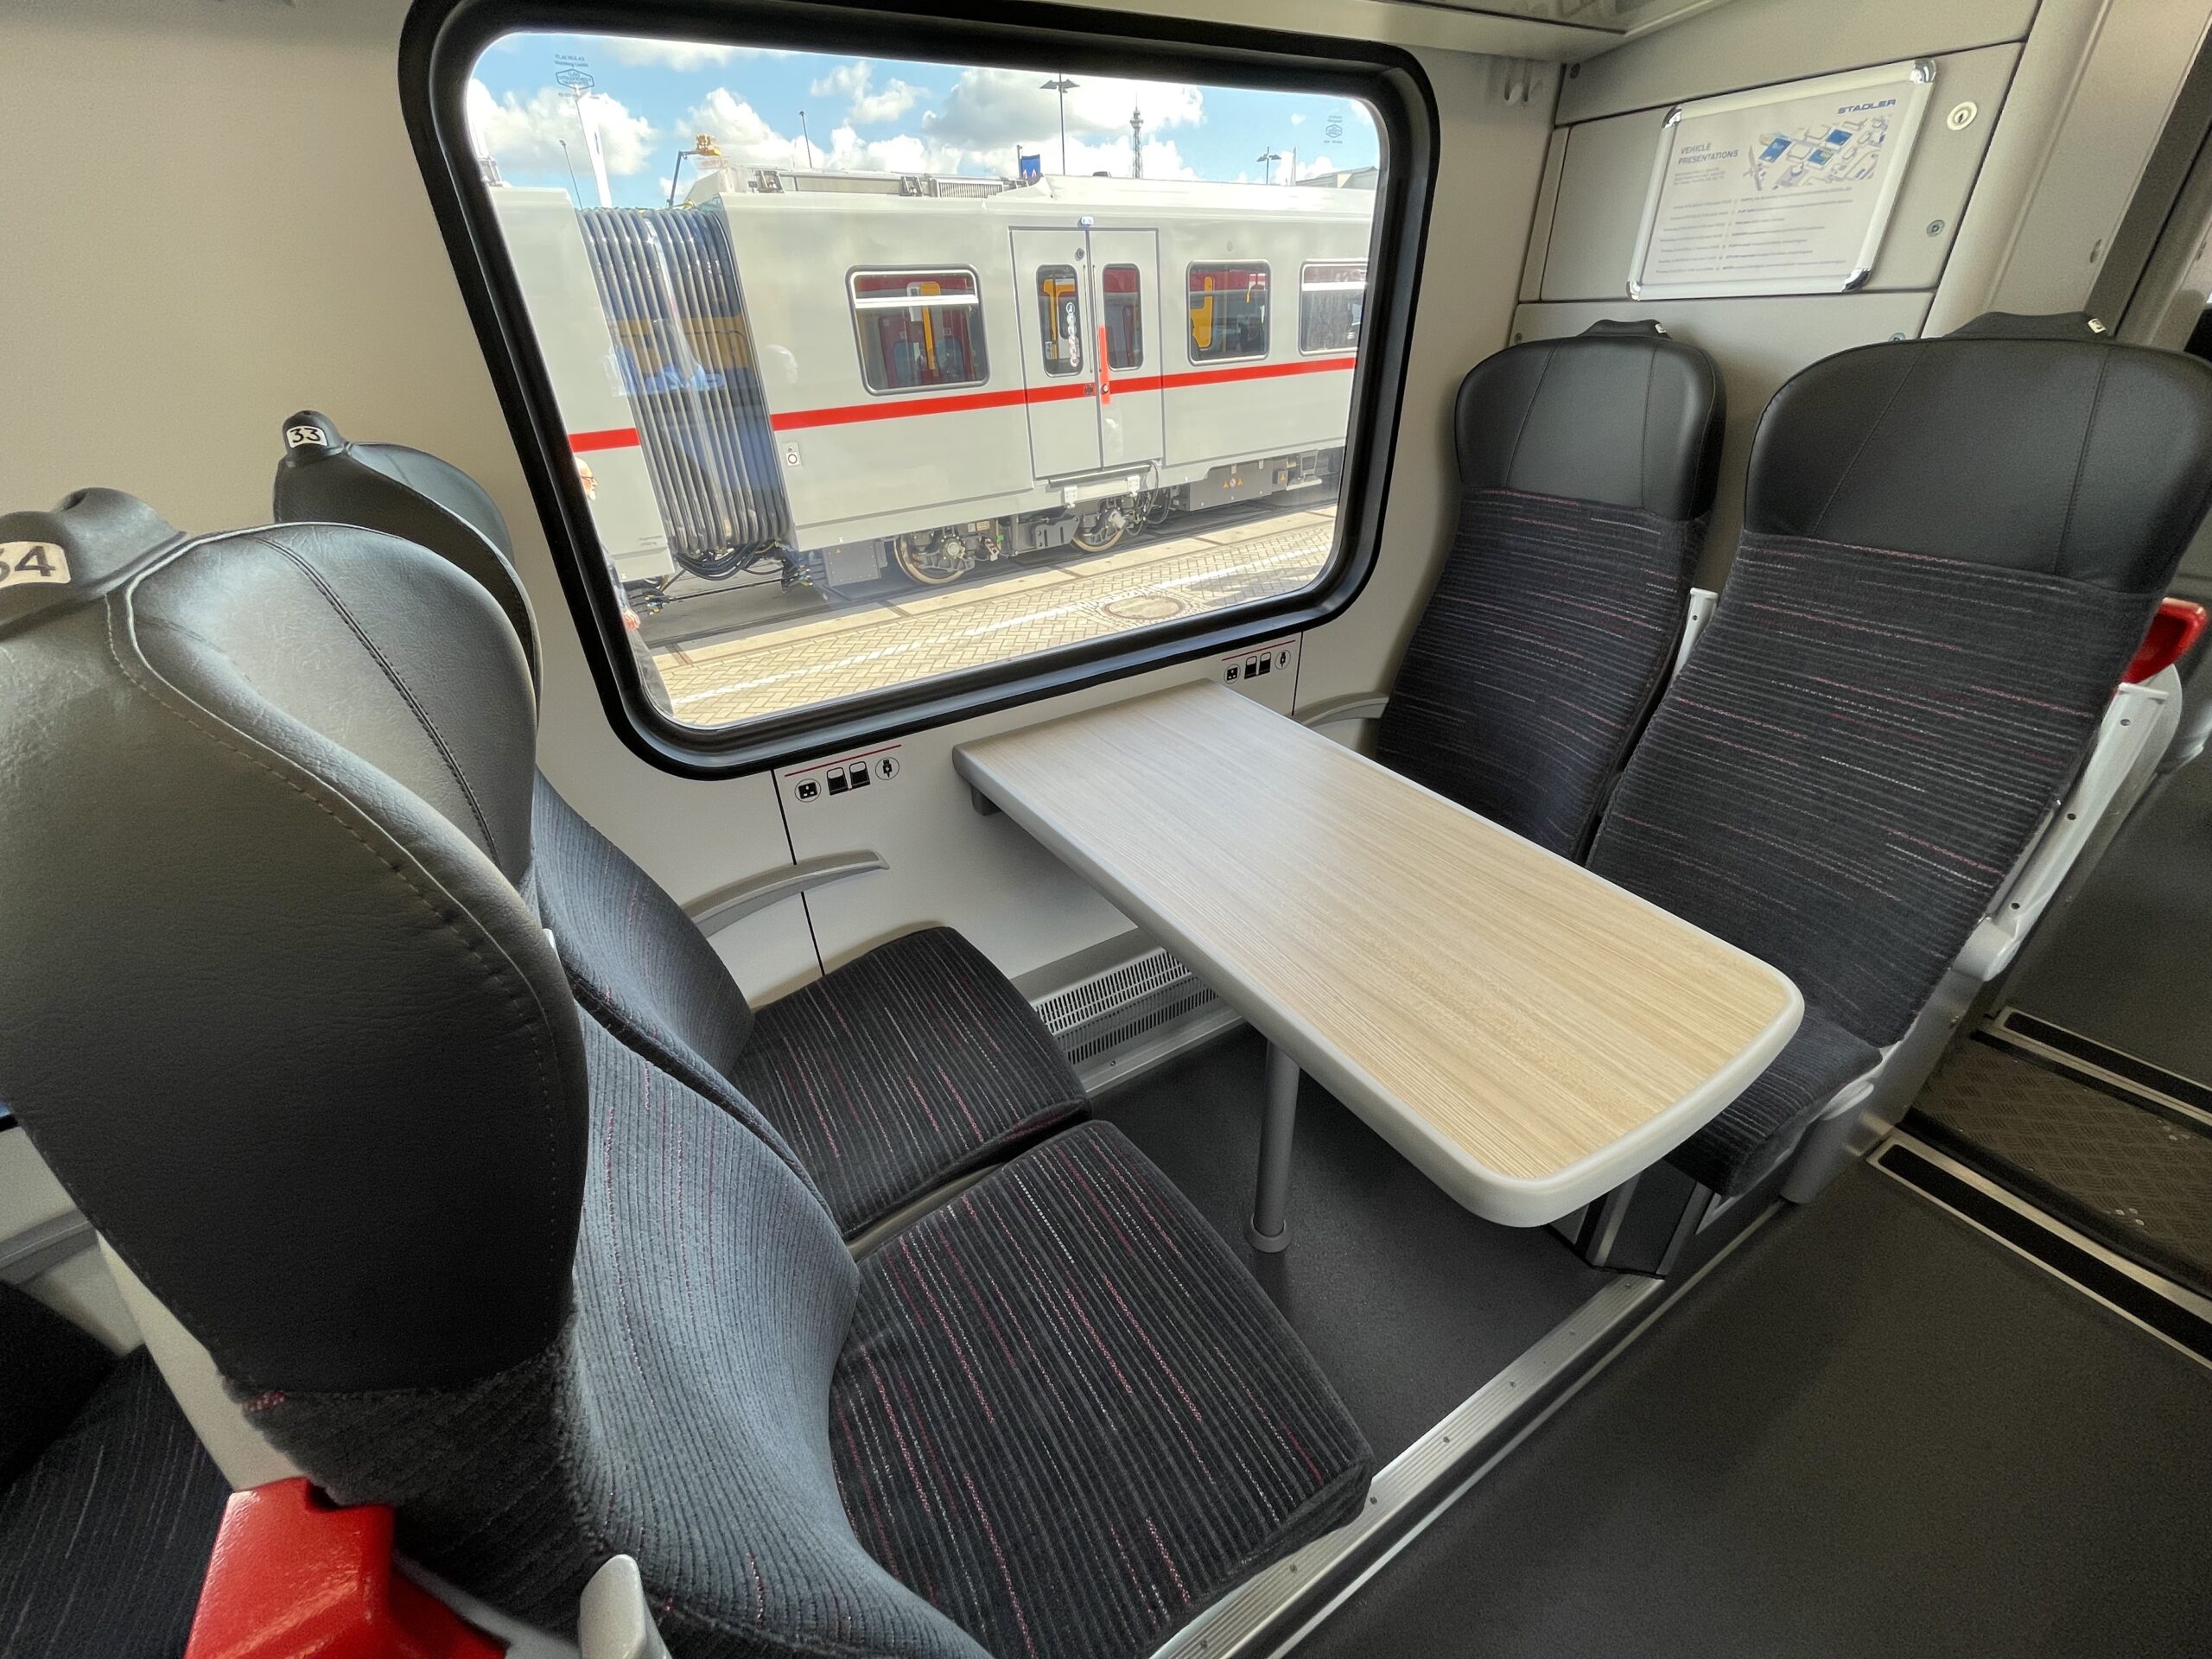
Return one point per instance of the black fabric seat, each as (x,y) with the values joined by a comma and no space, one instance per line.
(882,1108)
(108,1505)
(1586,469)
(284,1023)
(1925,621)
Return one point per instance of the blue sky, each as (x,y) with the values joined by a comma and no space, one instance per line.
(650,96)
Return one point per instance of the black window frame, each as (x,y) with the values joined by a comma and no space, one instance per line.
(1304,350)
(1190,346)
(1050,316)
(978,335)
(440,44)
(1136,292)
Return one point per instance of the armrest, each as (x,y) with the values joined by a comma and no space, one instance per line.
(1336,710)
(1702,600)
(2138,724)
(718,909)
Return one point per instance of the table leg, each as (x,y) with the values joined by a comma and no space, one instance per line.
(1268,1229)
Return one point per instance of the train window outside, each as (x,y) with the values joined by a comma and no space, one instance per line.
(918,329)
(1059,320)
(1331,299)
(1228,312)
(1123,289)
(803,374)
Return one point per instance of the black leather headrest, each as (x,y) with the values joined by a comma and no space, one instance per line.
(277,1014)
(2028,443)
(1618,414)
(408,493)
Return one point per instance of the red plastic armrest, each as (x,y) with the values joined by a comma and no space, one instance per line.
(292,1578)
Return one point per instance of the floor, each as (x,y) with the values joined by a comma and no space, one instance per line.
(828,651)
(2125,962)
(1869,1430)
(1409,1303)
(2139,1181)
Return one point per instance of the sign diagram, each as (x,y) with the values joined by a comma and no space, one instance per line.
(1786,190)
(1849,151)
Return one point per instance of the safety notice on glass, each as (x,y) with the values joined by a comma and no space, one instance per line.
(1785,190)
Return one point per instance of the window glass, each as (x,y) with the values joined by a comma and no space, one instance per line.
(1332,298)
(1228,312)
(1059,320)
(814,375)
(1124,317)
(918,329)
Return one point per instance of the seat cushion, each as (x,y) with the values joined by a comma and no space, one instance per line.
(104,1540)
(911,1065)
(1067,1416)
(1740,1147)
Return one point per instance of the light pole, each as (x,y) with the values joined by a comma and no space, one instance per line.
(1268,159)
(806,138)
(1063,86)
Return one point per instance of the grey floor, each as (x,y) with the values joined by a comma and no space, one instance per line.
(1870,1431)
(2126,963)
(1409,1303)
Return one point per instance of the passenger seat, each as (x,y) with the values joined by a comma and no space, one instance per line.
(282,1021)
(1951,549)
(1587,470)
(900,1072)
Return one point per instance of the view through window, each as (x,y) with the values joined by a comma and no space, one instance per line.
(872,370)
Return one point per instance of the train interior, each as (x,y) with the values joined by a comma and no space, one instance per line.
(1340,826)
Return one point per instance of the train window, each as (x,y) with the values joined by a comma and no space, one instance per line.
(1331,300)
(861,416)
(1059,320)
(1123,288)
(918,329)
(1228,312)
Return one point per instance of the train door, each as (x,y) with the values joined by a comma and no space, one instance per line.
(1052,275)
(1125,286)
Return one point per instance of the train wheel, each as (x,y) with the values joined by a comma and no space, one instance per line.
(927,565)
(1101,533)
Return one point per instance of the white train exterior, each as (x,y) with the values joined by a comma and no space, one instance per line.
(839,381)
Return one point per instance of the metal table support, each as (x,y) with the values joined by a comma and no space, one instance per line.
(1268,1229)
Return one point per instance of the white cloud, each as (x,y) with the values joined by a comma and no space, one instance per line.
(1319,167)
(990,108)
(1297,120)
(867,106)
(749,138)
(743,132)
(527,136)
(679,54)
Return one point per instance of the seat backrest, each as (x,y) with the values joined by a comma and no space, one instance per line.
(1586,469)
(1951,548)
(405,493)
(283,1021)
(634,957)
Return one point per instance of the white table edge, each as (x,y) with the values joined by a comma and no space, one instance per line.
(1513,1201)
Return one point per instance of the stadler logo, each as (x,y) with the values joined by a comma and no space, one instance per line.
(1862,109)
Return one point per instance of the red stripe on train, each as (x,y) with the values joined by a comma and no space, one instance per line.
(848,413)
(845,414)
(614,437)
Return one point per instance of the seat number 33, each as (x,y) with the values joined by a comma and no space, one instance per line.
(28,562)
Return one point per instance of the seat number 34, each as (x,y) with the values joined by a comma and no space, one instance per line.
(28,561)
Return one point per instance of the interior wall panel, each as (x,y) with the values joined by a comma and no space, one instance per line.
(1607,178)
(1758,42)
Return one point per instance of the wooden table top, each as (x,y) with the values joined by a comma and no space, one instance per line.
(1527,1034)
